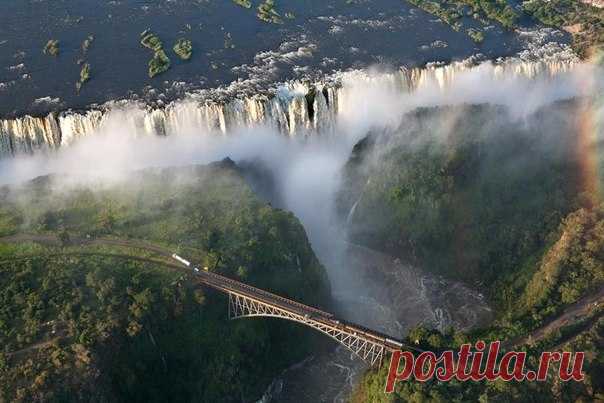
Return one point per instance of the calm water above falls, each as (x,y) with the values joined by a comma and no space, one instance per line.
(229,44)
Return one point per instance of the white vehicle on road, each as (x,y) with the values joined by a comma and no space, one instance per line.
(181,260)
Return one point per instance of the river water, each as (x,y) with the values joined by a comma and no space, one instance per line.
(389,297)
(231,46)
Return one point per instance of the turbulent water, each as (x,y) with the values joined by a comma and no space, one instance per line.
(294,108)
(411,298)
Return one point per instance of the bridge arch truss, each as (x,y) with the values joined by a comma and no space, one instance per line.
(368,349)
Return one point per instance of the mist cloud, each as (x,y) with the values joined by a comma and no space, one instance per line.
(306,170)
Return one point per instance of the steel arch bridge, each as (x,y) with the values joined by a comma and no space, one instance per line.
(246,301)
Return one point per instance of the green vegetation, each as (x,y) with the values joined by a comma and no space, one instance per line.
(160,62)
(476,203)
(583,21)
(267,12)
(451,12)
(476,35)
(52,47)
(571,268)
(500,205)
(85,69)
(441,199)
(447,14)
(151,41)
(591,389)
(183,48)
(84,76)
(497,10)
(111,323)
(243,3)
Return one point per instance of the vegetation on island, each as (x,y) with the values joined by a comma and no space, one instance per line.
(476,35)
(81,320)
(497,10)
(160,62)
(448,15)
(267,12)
(52,47)
(243,3)
(504,207)
(183,48)
(151,41)
(450,11)
(85,69)
(84,76)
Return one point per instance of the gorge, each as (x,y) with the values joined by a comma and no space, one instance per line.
(300,147)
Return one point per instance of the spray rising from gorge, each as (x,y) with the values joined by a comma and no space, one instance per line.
(301,136)
(301,139)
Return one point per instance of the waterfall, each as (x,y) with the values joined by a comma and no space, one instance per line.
(352,210)
(293,108)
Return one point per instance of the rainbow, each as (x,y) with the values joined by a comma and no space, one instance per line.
(590,137)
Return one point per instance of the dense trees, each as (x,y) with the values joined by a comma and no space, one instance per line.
(574,265)
(465,203)
(584,21)
(102,327)
(371,388)
(452,13)
(476,196)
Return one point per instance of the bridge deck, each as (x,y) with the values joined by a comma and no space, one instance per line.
(228,285)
